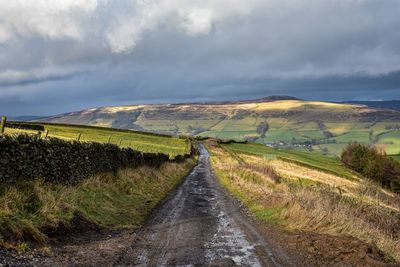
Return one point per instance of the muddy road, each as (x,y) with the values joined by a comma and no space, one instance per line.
(201,225)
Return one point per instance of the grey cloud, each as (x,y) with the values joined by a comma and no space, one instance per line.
(120,52)
(29,79)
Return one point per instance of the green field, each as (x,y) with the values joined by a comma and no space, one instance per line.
(311,159)
(292,132)
(124,138)
(391,141)
(291,122)
(396,157)
(332,149)
(283,135)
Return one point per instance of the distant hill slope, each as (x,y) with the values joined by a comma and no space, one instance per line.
(328,126)
(24,118)
(259,100)
(390,104)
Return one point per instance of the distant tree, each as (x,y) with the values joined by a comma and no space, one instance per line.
(372,164)
(313,141)
(262,129)
(327,134)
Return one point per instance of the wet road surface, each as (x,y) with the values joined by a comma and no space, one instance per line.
(201,225)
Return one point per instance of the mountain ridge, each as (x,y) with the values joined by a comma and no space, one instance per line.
(385,104)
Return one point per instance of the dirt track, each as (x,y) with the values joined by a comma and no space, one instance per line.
(201,225)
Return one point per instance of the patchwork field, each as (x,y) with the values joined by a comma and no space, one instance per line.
(328,126)
(140,141)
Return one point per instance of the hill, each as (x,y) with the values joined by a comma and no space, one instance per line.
(390,104)
(275,121)
(25,118)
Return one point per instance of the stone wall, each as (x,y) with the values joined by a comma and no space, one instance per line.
(68,162)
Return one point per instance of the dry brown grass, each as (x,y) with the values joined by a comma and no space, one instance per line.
(108,200)
(311,200)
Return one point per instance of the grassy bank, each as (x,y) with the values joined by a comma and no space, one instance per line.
(396,157)
(309,199)
(123,200)
(123,138)
(308,159)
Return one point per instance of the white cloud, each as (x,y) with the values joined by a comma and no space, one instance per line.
(359,34)
(121,24)
(170,45)
(127,28)
(5,34)
(196,21)
(193,17)
(49,19)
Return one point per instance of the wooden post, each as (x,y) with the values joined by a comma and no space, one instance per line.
(109,139)
(46,133)
(3,124)
(79,137)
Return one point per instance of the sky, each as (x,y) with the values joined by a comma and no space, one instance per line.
(65,55)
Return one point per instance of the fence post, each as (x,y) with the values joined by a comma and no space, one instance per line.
(79,137)
(46,133)
(3,124)
(109,139)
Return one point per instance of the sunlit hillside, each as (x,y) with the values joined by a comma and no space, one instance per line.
(323,125)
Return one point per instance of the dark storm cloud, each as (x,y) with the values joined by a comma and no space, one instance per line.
(61,56)
(27,80)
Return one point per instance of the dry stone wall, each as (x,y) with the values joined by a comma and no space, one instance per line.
(68,162)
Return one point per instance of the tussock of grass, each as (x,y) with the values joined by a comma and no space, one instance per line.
(309,200)
(122,200)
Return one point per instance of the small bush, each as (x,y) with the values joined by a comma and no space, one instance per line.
(368,161)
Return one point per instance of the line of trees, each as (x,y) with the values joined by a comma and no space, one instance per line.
(372,164)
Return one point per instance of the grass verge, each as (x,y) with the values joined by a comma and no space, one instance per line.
(308,199)
(123,200)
